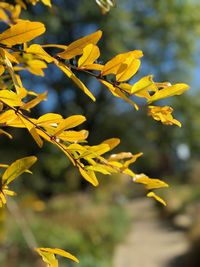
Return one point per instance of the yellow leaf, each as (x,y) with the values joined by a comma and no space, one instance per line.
(76,147)
(76,48)
(89,176)
(10,98)
(90,54)
(150,183)
(112,142)
(49,119)
(35,101)
(5,58)
(113,65)
(163,114)
(36,66)
(156,197)
(11,57)
(95,151)
(73,136)
(48,255)
(71,75)
(23,31)
(144,86)
(17,168)
(68,123)
(126,87)
(120,156)
(9,118)
(21,91)
(129,67)
(93,67)
(3,15)
(48,258)
(39,52)
(168,91)
(99,168)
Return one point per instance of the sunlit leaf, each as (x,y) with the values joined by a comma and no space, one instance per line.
(129,67)
(23,31)
(49,118)
(113,65)
(69,123)
(39,52)
(156,197)
(95,151)
(10,98)
(112,142)
(144,86)
(90,54)
(89,176)
(150,183)
(17,168)
(169,91)
(163,114)
(76,48)
(120,156)
(35,101)
(73,136)
(48,255)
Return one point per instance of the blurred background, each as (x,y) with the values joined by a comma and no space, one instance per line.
(55,207)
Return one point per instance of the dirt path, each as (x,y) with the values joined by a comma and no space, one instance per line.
(150,243)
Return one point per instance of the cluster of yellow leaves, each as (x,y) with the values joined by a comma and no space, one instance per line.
(163,114)
(81,56)
(84,54)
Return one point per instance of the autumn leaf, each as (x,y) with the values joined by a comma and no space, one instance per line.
(150,183)
(34,102)
(69,123)
(39,52)
(48,255)
(89,176)
(163,114)
(142,87)
(76,48)
(17,168)
(112,142)
(156,197)
(23,31)
(90,54)
(113,65)
(129,67)
(168,91)
(10,98)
